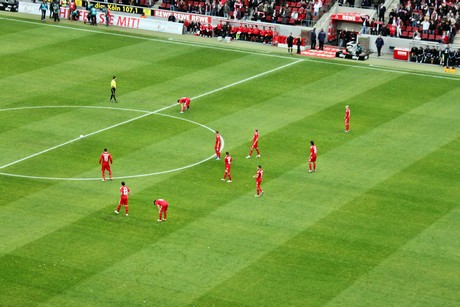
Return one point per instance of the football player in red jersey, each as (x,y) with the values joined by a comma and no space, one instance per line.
(258,177)
(105,160)
(217,145)
(347,118)
(312,159)
(124,193)
(255,144)
(184,103)
(162,206)
(228,164)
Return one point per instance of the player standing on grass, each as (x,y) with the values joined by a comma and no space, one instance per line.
(162,206)
(113,88)
(312,159)
(258,177)
(255,144)
(347,118)
(228,164)
(124,193)
(184,104)
(105,160)
(217,145)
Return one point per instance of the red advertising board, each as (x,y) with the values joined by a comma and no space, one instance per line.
(401,54)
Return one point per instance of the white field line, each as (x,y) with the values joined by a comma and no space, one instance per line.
(149,113)
(118,177)
(255,52)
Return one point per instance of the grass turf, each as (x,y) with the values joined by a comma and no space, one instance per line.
(375,225)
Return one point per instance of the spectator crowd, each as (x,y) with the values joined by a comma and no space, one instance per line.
(275,11)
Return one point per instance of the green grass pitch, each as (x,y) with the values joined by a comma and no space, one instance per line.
(377,224)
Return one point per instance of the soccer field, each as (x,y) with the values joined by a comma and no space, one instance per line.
(377,224)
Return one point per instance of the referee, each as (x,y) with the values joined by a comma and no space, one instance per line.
(113,88)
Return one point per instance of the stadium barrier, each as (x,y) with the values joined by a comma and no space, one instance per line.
(117,20)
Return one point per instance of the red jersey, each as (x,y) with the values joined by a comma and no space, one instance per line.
(259,174)
(218,141)
(185,100)
(228,161)
(161,202)
(124,191)
(72,6)
(105,158)
(312,151)
(255,140)
(347,114)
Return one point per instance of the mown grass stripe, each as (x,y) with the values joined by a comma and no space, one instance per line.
(244,227)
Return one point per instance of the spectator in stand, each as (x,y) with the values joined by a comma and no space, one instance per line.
(286,14)
(425,25)
(316,8)
(321,39)
(392,29)
(245,13)
(382,10)
(399,25)
(237,9)
(295,16)
(391,16)
(313,39)
(226,10)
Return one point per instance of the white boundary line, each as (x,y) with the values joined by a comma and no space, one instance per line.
(147,113)
(232,49)
(118,177)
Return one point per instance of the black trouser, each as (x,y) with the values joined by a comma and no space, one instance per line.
(313,44)
(113,94)
(43,14)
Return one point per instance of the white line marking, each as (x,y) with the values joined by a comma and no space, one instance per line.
(119,177)
(144,115)
(160,40)
(262,53)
